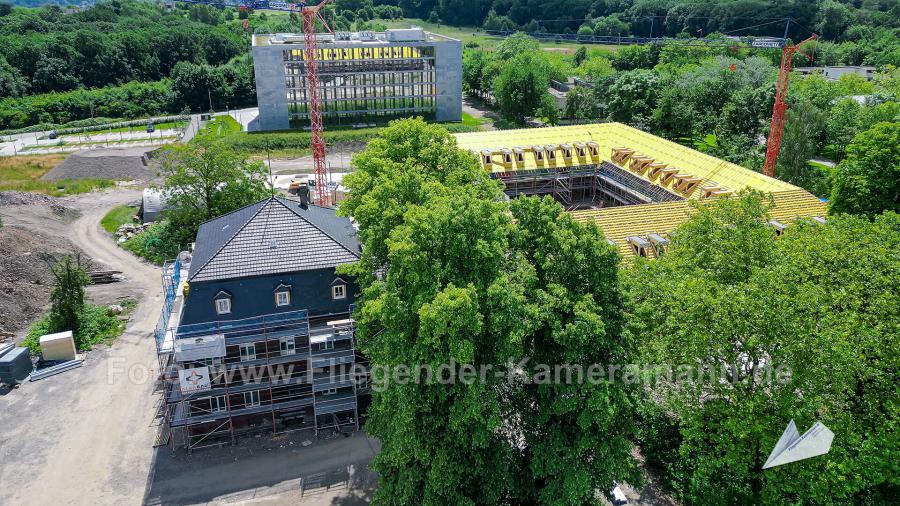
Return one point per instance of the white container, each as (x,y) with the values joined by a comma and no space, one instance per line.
(59,346)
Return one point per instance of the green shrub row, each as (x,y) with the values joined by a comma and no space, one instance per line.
(132,100)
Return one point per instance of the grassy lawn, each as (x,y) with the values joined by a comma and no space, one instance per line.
(117,217)
(23,173)
(219,126)
(472,121)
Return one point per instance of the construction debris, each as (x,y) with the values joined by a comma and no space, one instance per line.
(129,230)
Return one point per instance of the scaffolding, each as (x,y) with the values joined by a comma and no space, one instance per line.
(277,373)
(585,186)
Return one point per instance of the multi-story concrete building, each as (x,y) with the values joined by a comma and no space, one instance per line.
(365,77)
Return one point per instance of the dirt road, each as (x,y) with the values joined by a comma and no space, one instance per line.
(86,436)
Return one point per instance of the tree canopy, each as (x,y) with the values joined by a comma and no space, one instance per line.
(454,276)
(760,331)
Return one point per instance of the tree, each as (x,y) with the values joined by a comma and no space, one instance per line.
(67,296)
(454,276)
(430,219)
(521,88)
(834,18)
(577,435)
(632,97)
(610,26)
(841,126)
(580,56)
(868,180)
(581,105)
(746,323)
(12,83)
(515,45)
(803,127)
(53,74)
(203,181)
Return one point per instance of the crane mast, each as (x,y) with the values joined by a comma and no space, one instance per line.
(310,15)
(776,128)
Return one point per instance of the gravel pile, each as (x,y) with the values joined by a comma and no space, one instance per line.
(25,260)
(125,164)
(56,205)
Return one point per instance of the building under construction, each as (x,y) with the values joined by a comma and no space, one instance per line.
(364,77)
(256,332)
(637,187)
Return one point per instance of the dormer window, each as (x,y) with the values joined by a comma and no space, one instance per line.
(222,302)
(282,295)
(338,289)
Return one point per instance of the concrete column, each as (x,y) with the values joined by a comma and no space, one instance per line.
(448,76)
(271,87)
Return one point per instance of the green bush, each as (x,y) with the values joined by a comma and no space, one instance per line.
(97,325)
(154,244)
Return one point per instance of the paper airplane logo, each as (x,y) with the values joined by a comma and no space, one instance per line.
(792,447)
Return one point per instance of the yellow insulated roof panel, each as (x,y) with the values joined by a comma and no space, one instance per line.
(618,223)
(709,170)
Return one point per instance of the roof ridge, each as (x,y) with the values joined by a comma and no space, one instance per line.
(279,199)
(236,232)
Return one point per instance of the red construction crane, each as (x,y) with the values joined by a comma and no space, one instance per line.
(781,88)
(310,14)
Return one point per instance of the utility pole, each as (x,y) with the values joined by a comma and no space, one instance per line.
(209,94)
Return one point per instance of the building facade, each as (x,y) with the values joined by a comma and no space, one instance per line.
(256,333)
(365,78)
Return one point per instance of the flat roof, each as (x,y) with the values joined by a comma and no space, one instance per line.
(355,39)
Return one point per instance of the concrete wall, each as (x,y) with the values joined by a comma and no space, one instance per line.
(448,76)
(271,87)
(310,290)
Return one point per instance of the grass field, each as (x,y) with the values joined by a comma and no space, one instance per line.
(23,173)
(117,217)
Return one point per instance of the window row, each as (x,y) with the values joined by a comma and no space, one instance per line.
(223,303)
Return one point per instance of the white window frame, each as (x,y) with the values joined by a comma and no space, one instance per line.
(326,345)
(278,298)
(287,345)
(211,361)
(339,288)
(362,381)
(251,398)
(329,391)
(223,305)
(218,403)
(246,355)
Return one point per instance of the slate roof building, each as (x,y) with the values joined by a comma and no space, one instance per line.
(256,334)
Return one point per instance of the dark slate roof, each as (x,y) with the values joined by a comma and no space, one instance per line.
(272,236)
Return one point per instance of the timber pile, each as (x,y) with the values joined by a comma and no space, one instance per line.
(104,277)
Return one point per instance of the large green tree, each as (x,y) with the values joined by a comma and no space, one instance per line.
(803,128)
(456,279)
(868,180)
(206,180)
(521,88)
(758,331)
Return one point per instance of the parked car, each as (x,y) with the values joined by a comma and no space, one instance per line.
(150,128)
(52,134)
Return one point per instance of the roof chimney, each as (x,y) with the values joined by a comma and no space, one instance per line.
(303,193)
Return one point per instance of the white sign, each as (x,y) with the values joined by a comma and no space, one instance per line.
(765,43)
(194,380)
